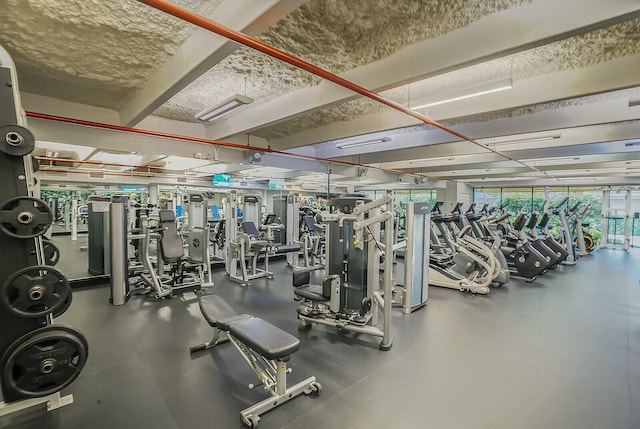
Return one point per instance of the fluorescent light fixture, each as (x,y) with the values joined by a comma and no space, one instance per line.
(267,171)
(362,143)
(432,161)
(476,91)
(579,179)
(224,107)
(634,102)
(495,142)
(551,161)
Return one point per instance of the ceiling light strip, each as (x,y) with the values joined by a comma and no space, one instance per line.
(488,89)
(251,42)
(348,145)
(222,108)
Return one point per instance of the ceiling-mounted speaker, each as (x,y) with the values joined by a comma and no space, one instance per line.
(362,172)
(421,180)
(254,156)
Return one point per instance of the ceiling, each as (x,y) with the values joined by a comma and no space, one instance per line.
(571,115)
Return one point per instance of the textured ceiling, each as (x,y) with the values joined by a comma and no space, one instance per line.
(588,49)
(95,52)
(337,35)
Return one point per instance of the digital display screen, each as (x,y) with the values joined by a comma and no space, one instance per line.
(222,180)
(276,183)
(133,188)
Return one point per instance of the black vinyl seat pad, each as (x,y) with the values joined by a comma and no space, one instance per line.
(214,308)
(263,337)
(258,334)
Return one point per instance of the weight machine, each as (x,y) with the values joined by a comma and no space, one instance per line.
(37,358)
(352,295)
(243,248)
(565,232)
(583,240)
(415,291)
(170,251)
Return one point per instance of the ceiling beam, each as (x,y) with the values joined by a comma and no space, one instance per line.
(202,51)
(473,44)
(79,135)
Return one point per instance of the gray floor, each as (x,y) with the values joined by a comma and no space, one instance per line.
(562,353)
(74,262)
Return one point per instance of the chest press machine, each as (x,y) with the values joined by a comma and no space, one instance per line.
(266,349)
(170,251)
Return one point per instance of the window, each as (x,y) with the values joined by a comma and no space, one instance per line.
(490,196)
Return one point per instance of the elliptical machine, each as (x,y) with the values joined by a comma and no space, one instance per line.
(523,259)
(565,232)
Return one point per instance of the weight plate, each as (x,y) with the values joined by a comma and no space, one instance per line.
(35,291)
(64,307)
(25,217)
(51,253)
(35,163)
(16,140)
(44,361)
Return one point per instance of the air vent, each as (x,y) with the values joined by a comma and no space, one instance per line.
(634,102)
(96,175)
(182,180)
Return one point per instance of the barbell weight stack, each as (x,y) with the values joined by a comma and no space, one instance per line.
(16,140)
(35,291)
(43,361)
(25,217)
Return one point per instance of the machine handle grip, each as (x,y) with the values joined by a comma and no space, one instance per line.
(561,203)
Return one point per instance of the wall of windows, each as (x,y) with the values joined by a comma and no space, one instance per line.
(514,200)
(403,197)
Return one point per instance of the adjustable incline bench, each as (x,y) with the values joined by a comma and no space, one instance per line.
(265,347)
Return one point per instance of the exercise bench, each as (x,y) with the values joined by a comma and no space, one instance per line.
(265,347)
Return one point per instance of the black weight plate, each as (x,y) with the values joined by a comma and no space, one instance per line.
(44,361)
(58,312)
(51,253)
(25,217)
(16,140)
(35,291)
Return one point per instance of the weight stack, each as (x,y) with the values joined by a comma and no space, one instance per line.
(37,359)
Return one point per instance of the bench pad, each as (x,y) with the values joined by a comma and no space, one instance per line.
(265,338)
(214,309)
(224,324)
(286,248)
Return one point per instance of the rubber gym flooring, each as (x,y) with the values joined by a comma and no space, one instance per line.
(563,352)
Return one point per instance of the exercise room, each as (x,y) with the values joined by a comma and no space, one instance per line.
(320,214)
